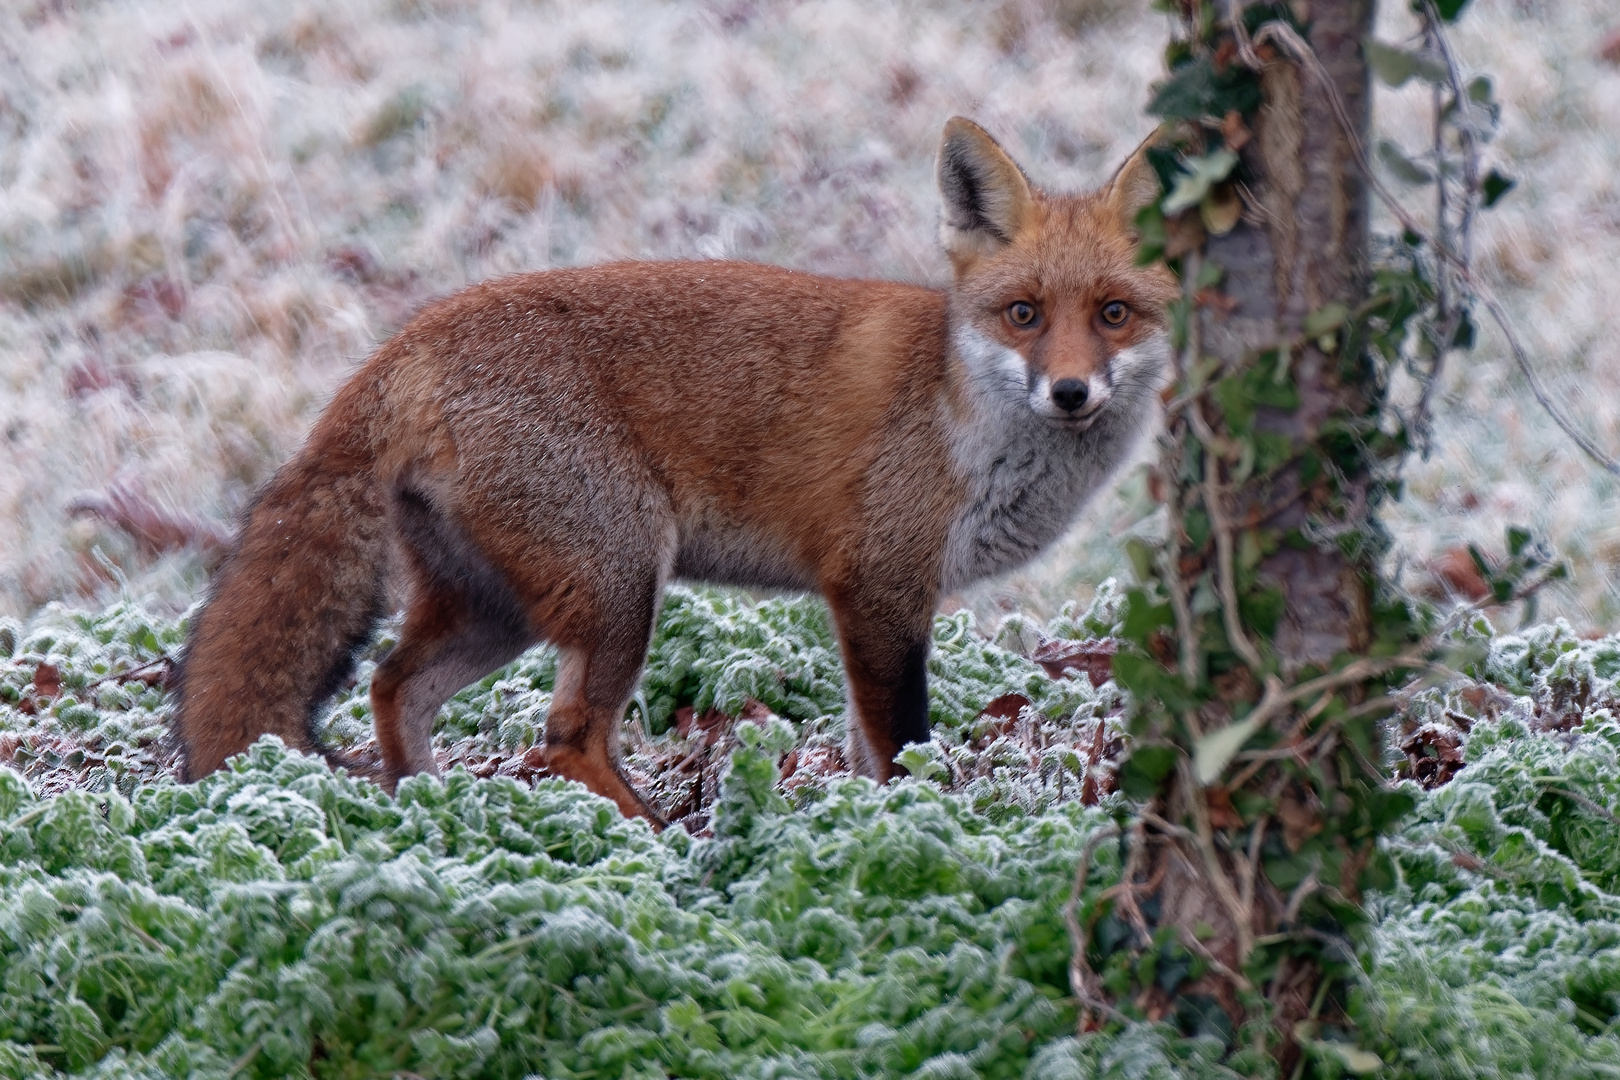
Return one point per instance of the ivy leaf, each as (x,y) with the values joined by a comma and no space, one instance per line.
(1447,9)
(1215,749)
(1325,319)
(1464,337)
(1141,555)
(1397,66)
(1198,89)
(1205,173)
(1403,167)
(1140,775)
(1494,186)
(1151,681)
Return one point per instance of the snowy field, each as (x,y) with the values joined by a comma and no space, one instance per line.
(210,212)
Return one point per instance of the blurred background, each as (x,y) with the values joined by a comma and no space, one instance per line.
(211,211)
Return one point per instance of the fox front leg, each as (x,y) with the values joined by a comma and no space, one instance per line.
(886,666)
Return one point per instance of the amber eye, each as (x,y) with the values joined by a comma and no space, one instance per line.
(1021,313)
(1115,314)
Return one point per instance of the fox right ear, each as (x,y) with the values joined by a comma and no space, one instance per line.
(985,195)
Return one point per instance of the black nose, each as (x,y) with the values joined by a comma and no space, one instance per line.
(1069,394)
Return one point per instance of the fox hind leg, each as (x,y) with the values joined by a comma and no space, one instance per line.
(462,621)
(444,647)
(583,539)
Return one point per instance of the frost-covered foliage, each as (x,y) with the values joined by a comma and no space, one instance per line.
(279,919)
(98,722)
(715,650)
(1498,952)
(99,718)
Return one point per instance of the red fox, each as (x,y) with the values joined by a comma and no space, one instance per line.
(542,453)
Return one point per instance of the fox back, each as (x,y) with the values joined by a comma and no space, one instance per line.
(541,454)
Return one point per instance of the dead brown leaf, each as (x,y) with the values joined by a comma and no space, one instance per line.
(1457,573)
(1433,755)
(1222,814)
(1093,656)
(1610,49)
(1215,300)
(47,680)
(1299,822)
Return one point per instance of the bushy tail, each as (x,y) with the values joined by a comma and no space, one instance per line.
(291,605)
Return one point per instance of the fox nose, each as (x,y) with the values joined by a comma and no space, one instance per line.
(1069,394)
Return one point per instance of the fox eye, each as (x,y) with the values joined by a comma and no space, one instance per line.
(1021,313)
(1115,313)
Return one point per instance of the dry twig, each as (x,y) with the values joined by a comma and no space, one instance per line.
(1081,977)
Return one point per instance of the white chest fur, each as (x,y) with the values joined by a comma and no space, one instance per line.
(1025,477)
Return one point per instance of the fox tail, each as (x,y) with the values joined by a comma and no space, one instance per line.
(292,605)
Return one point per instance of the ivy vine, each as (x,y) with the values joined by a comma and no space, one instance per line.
(1264,774)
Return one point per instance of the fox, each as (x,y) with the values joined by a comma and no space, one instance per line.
(537,456)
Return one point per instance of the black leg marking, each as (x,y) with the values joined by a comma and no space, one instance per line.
(910,716)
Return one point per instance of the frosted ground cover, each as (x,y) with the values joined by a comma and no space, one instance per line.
(278,919)
(210,212)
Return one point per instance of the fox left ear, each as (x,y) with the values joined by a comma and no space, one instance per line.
(985,197)
(1135,184)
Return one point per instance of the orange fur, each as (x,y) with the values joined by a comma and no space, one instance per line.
(546,451)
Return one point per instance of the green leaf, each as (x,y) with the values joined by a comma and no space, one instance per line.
(1326,318)
(1143,617)
(1140,775)
(1359,1061)
(1197,89)
(1447,9)
(1149,680)
(1518,538)
(919,764)
(1403,167)
(1141,555)
(1494,186)
(1203,173)
(1214,749)
(1263,609)
(1395,67)
(1385,807)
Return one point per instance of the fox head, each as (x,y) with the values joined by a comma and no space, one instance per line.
(1049,303)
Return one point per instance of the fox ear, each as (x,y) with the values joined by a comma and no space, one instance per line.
(1135,184)
(986,197)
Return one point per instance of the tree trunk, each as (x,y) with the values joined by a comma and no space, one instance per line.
(1263,801)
